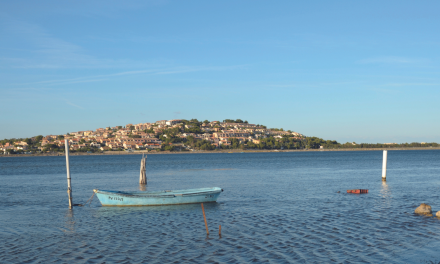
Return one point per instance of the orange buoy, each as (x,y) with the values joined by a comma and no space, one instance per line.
(358,191)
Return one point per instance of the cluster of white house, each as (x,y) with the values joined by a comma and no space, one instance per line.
(137,136)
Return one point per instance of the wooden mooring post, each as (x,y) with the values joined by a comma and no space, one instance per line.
(206,223)
(384,165)
(69,187)
(143,176)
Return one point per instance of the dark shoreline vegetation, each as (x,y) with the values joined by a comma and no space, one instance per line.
(315,142)
(171,140)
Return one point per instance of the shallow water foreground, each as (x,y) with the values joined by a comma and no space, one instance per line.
(276,208)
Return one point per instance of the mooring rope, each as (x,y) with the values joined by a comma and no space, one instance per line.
(90,199)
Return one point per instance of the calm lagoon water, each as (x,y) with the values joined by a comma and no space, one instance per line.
(276,208)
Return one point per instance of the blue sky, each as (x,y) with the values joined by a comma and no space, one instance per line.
(342,70)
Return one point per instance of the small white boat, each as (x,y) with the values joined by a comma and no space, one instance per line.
(168,197)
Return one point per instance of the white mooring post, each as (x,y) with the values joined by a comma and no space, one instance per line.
(384,165)
(69,188)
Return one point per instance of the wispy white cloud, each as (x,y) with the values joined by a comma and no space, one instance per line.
(301,85)
(383,90)
(45,51)
(283,85)
(160,71)
(412,84)
(397,88)
(72,104)
(392,60)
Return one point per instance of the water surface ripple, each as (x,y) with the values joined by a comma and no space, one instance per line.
(276,208)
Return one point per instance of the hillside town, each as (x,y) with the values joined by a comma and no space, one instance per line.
(163,135)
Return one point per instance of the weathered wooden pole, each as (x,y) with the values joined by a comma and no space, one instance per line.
(143,176)
(69,187)
(145,169)
(206,223)
(384,165)
(220,230)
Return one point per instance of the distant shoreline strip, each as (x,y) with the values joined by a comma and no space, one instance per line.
(109,153)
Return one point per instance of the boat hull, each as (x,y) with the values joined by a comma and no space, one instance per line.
(119,198)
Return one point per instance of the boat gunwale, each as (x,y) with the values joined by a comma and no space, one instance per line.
(164,194)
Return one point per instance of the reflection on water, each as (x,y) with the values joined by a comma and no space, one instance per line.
(385,191)
(109,211)
(276,207)
(69,221)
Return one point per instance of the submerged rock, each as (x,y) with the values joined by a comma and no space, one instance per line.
(423,209)
(438,214)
